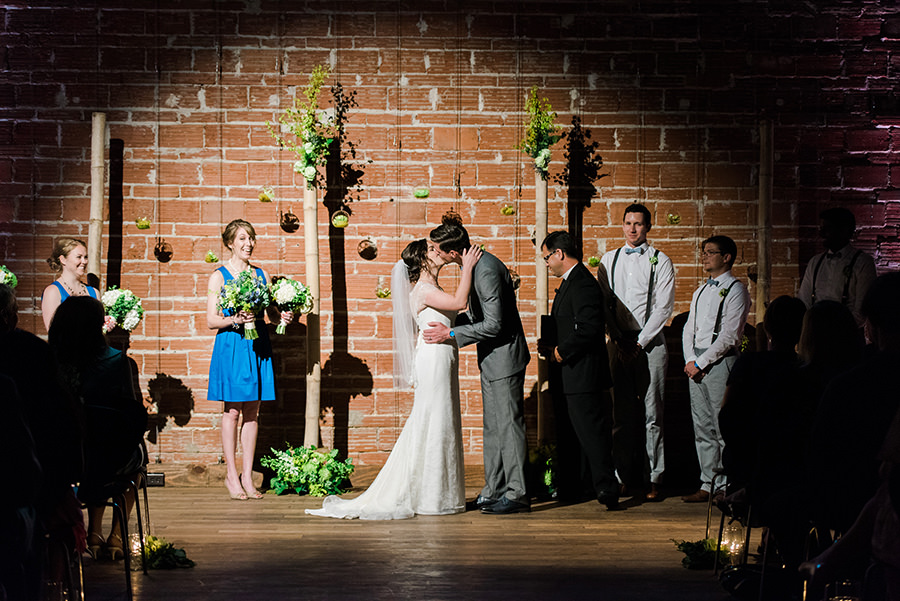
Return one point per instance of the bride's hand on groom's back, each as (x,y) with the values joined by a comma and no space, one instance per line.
(470,256)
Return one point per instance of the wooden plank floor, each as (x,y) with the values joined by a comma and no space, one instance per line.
(269,549)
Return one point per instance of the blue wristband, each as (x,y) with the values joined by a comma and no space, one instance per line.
(452,334)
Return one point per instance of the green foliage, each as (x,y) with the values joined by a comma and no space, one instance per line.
(540,132)
(700,555)
(313,129)
(306,470)
(162,555)
(7,277)
(542,470)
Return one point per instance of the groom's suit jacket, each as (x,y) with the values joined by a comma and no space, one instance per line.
(492,321)
(580,335)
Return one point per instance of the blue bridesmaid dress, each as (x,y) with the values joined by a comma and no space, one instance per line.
(241,370)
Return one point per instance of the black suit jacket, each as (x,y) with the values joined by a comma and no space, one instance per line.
(580,335)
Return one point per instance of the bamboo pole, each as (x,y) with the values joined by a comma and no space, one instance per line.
(313,340)
(764,217)
(541,298)
(98,173)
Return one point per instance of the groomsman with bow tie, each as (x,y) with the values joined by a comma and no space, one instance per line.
(711,342)
(842,273)
(641,288)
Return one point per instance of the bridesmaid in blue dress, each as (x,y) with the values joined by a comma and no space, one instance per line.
(240,372)
(69,260)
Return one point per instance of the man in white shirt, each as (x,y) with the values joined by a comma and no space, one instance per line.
(711,342)
(643,280)
(842,273)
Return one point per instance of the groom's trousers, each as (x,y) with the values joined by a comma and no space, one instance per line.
(505,447)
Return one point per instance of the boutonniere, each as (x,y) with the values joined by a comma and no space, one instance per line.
(846,271)
(654,260)
(723,292)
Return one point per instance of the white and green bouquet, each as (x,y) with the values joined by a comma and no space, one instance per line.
(7,277)
(246,292)
(290,295)
(123,309)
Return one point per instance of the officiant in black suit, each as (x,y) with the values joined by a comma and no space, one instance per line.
(579,376)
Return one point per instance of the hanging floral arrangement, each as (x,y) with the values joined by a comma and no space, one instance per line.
(540,132)
(314,129)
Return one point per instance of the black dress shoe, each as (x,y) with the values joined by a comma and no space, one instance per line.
(479,503)
(504,506)
(611,500)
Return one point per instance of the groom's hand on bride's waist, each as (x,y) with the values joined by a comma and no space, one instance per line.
(437,333)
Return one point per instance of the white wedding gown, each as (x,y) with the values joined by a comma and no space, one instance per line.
(424,474)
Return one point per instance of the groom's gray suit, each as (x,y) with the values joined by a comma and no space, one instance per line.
(492,321)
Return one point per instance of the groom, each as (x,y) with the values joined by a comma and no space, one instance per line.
(492,321)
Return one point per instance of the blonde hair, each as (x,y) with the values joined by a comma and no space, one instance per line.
(62,248)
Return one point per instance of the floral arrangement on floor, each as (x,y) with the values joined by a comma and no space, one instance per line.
(306,470)
(700,555)
(123,309)
(246,292)
(162,555)
(7,277)
(541,474)
(290,295)
(540,132)
(314,129)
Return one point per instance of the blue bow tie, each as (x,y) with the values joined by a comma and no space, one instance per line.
(712,281)
(629,251)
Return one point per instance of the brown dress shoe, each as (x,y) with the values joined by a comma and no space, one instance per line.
(653,494)
(701,496)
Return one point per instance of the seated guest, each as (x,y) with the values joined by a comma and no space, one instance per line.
(870,549)
(853,416)
(114,416)
(50,414)
(20,566)
(756,376)
(830,343)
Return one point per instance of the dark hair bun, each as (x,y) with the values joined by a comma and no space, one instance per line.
(451,217)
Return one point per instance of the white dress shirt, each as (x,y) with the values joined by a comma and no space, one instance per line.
(698,330)
(832,277)
(632,277)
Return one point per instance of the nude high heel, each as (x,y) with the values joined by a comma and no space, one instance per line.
(95,544)
(115,548)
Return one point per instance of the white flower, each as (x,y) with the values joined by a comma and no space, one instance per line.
(132,318)
(542,159)
(110,297)
(284,294)
(299,166)
(308,147)
(310,173)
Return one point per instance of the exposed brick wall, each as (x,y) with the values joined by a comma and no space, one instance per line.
(670,92)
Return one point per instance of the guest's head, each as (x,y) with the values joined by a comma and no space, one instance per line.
(561,252)
(718,255)
(879,307)
(451,238)
(9,310)
(68,254)
(830,336)
(836,227)
(783,322)
(417,258)
(233,229)
(76,332)
(636,224)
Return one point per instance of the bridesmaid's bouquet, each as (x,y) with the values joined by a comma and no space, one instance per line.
(7,277)
(290,295)
(246,292)
(123,309)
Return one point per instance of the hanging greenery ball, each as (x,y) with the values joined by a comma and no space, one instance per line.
(340,219)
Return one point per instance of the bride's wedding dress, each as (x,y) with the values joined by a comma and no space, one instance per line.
(424,473)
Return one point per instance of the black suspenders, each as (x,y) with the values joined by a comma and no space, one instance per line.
(653,264)
(845,297)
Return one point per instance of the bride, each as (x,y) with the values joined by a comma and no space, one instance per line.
(424,473)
